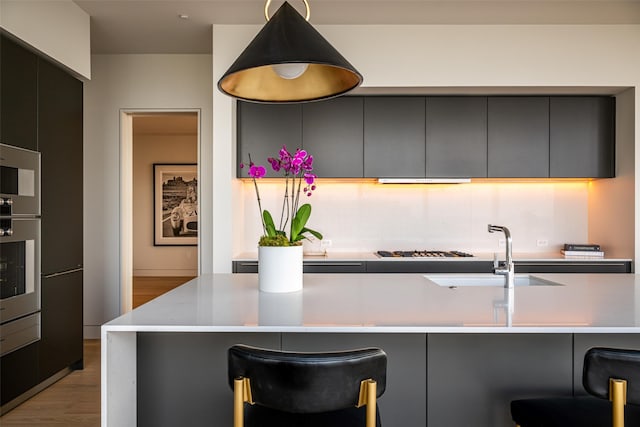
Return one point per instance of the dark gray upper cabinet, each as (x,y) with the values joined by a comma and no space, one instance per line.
(60,142)
(18,95)
(438,136)
(457,137)
(394,137)
(263,129)
(518,137)
(332,131)
(582,135)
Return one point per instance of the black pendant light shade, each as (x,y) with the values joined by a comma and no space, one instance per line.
(287,38)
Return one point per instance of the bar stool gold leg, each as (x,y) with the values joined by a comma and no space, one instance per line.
(618,397)
(238,402)
(371,403)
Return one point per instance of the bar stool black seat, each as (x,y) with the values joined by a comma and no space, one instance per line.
(610,376)
(306,389)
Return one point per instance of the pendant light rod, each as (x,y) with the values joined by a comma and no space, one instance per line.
(306,5)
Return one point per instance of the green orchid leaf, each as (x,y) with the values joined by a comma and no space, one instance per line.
(268,223)
(302,236)
(315,233)
(299,221)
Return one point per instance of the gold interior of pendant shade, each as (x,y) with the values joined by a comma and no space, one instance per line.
(262,83)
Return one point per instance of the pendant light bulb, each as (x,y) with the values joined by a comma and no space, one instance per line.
(290,71)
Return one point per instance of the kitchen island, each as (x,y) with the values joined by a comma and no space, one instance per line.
(450,348)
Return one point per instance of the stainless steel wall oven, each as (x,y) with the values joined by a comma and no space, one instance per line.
(19,248)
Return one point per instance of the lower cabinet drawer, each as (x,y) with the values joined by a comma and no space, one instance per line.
(429,267)
(574,267)
(334,267)
(308,267)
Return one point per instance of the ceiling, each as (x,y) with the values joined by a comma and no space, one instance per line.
(155,26)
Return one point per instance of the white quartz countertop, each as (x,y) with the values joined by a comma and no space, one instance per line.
(484,256)
(393,303)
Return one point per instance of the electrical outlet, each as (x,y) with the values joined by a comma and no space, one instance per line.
(502,243)
(541,243)
(325,243)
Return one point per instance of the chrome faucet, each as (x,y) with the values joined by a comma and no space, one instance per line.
(505,269)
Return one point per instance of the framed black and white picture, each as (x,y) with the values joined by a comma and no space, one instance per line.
(175,213)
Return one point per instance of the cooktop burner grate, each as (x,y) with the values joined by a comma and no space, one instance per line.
(423,254)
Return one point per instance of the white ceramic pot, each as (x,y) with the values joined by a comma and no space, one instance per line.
(280,268)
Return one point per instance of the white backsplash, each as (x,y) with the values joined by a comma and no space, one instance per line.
(368,217)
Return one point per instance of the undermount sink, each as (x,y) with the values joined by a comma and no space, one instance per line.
(460,280)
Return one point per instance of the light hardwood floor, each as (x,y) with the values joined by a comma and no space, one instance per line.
(145,288)
(73,401)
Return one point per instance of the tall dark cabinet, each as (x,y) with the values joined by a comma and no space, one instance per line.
(42,110)
(18,103)
(60,145)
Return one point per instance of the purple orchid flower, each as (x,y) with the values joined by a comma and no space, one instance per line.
(257,171)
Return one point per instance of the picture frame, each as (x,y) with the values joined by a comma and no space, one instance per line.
(175,200)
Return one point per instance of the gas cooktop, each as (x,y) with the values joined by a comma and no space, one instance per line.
(422,254)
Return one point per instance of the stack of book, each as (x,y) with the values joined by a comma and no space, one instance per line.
(587,250)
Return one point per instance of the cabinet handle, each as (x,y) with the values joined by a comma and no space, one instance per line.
(314,264)
(561,264)
(333,264)
(62,273)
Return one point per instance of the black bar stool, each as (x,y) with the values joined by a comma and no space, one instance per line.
(306,389)
(611,375)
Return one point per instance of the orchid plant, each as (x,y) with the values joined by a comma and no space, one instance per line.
(298,179)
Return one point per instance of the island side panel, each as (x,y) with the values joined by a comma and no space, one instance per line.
(583,342)
(118,379)
(472,378)
(182,377)
(403,403)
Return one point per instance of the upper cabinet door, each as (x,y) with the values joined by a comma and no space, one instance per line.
(582,136)
(457,137)
(332,132)
(60,142)
(394,137)
(518,137)
(19,95)
(262,131)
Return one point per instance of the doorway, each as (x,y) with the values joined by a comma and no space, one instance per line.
(160,203)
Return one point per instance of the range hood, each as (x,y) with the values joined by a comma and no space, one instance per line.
(423,180)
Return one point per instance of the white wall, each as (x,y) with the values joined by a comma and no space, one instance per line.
(435,56)
(144,82)
(612,209)
(367,217)
(150,260)
(57,28)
